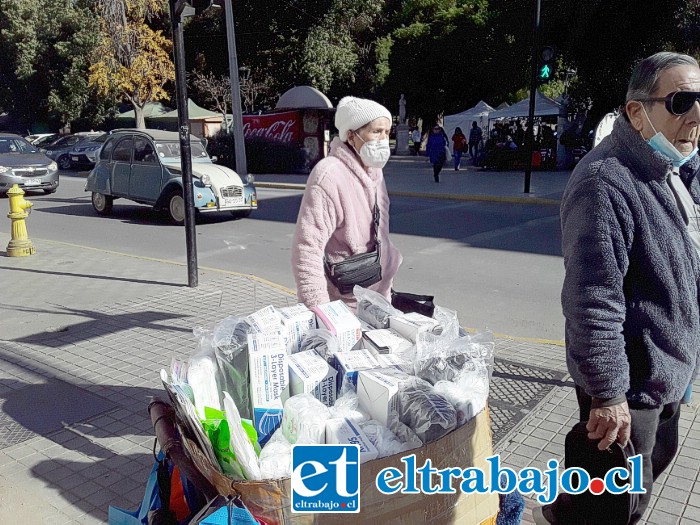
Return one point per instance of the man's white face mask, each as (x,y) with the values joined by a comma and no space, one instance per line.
(660,143)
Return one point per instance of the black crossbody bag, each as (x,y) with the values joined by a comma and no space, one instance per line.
(363,269)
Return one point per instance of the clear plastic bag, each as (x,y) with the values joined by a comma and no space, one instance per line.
(468,395)
(449,323)
(424,411)
(230,341)
(444,359)
(385,441)
(373,308)
(348,406)
(304,420)
(322,342)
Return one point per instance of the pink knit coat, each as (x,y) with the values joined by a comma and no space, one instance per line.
(335,219)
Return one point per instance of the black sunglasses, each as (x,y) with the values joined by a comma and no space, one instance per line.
(678,102)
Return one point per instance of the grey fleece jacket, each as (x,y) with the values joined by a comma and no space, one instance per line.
(631,290)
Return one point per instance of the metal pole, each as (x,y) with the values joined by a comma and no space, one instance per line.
(236,113)
(183,118)
(533,91)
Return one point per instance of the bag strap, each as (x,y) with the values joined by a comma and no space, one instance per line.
(375,219)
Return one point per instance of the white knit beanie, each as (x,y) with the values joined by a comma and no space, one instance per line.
(352,113)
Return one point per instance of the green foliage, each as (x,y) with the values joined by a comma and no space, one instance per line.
(44,56)
(132,59)
(339,48)
(449,54)
(329,57)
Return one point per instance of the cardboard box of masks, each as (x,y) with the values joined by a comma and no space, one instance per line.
(466,446)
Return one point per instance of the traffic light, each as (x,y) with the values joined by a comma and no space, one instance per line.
(547,65)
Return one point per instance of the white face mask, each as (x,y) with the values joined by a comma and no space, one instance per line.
(660,143)
(374,153)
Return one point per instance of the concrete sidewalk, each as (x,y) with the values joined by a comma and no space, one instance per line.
(413,176)
(84,332)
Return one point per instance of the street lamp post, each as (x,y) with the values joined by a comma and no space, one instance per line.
(178,11)
(533,94)
(236,113)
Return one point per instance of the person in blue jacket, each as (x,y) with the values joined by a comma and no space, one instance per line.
(436,150)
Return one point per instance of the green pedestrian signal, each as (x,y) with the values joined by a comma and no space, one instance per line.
(547,63)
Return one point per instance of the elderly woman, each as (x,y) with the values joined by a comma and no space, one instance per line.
(344,194)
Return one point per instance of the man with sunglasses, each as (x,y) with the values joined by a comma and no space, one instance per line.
(631,241)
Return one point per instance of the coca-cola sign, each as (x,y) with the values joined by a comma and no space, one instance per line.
(282,127)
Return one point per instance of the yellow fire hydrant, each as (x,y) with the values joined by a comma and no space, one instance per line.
(19,245)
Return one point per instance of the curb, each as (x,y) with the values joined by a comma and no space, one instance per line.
(443,196)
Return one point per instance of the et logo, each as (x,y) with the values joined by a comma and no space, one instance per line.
(325,478)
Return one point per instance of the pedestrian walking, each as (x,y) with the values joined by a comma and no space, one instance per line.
(475,136)
(345,197)
(631,244)
(459,146)
(417,137)
(436,149)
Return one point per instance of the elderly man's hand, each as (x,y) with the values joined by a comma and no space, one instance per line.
(610,424)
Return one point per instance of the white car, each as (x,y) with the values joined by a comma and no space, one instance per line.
(143,165)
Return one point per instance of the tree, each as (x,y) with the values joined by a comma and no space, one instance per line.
(604,41)
(45,49)
(270,36)
(132,59)
(339,47)
(446,55)
(213,90)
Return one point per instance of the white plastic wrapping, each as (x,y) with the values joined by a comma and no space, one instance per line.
(240,443)
(348,406)
(202,374)
(304,420)
(468,395)
(276,457)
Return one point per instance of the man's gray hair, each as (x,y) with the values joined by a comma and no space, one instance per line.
(646,75)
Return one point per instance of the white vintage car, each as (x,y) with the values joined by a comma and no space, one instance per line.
(143,165)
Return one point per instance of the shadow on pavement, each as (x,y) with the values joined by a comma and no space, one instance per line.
(129,212)
(104,277)
(96,458)
(101,324)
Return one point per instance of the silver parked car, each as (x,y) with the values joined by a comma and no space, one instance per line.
(84,154)
(60,149)
(143,165)
(23,164)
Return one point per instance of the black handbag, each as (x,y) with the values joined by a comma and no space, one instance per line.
(605,508)
(410,302)
(363,269)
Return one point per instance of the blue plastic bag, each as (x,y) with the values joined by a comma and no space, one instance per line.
(151,501)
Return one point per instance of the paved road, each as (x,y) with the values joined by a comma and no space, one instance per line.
(498,264)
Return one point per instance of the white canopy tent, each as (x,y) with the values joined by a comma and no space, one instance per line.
(544,107)
(479,113)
